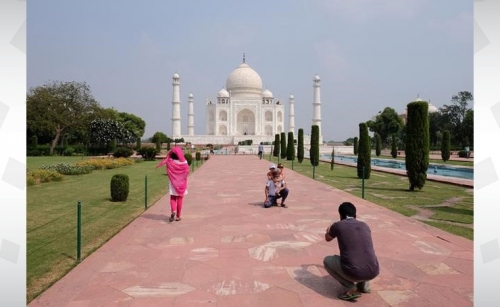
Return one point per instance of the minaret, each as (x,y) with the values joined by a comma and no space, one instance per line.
(317,106)
(176,107)
(190,116)
(291,116)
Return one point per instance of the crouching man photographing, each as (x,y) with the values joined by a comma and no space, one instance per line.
(357,263)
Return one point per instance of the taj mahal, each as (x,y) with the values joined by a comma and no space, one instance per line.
(242,111)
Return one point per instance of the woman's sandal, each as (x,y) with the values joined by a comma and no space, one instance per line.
(177,218)
(348,296)
(171,219)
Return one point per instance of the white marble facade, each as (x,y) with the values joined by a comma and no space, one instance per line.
(241,111)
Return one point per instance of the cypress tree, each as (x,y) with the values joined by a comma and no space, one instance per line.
(364,152)
(333,156)
(300,145)
(276,150)
(417,144)
(355,143)
(138,143)
(445,146)
(378,144)
(394,148)
(283,145)
(314,151)
(290,150)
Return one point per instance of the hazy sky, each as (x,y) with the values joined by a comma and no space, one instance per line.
(370,54)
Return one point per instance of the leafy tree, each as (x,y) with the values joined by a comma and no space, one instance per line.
(348,142)
(394,148)
(105,131)
(355,145)
(290,150)
(377,144)
(314,150)
(364,152)
(385,123)
(57,108)
(456,113)
(159,137)
(446,146)
(283,145)
(133,123)
(417,144)
(277,145)
(300,145)
(468,128)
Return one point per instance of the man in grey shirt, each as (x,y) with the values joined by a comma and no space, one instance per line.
(357,263)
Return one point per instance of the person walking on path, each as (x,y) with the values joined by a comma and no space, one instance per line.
(177,172)
(261,150)
(357,263)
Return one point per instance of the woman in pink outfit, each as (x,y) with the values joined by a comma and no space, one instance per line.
(177,171)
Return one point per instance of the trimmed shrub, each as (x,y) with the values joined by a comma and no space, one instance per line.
(445,146)
(300,145)
(119,187)
(123,152)
(41,176)
(198,156)
(138,143)
(394,147)
(290,150)
(355,143)
(417,144)
(148,153)
(364,152)
(283,145)
(68,169)
(68,151)
(314,151)
(189,158)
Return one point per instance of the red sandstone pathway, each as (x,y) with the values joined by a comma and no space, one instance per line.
(229,251)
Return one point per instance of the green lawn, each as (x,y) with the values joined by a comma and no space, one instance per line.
(52,216)
(449,203)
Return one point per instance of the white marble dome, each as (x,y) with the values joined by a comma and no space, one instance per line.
(317,78)
(291,96)
(176,76)
(223,93)
(191,96)
(267,94)
(432,108)
(244,80)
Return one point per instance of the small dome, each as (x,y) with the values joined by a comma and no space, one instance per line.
(317,78)
(223,93)
(418,99)
(267,94)
(191,96)
(176,76)
(432,108)
(291,96)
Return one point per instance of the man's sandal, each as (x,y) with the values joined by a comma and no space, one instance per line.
(348,296)
(284,205)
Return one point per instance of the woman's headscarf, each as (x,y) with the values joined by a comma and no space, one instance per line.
(177,172)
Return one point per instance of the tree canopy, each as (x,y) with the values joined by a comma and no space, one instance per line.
(59,107)
(385,124)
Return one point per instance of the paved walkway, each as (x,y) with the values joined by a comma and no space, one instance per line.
(229,251)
